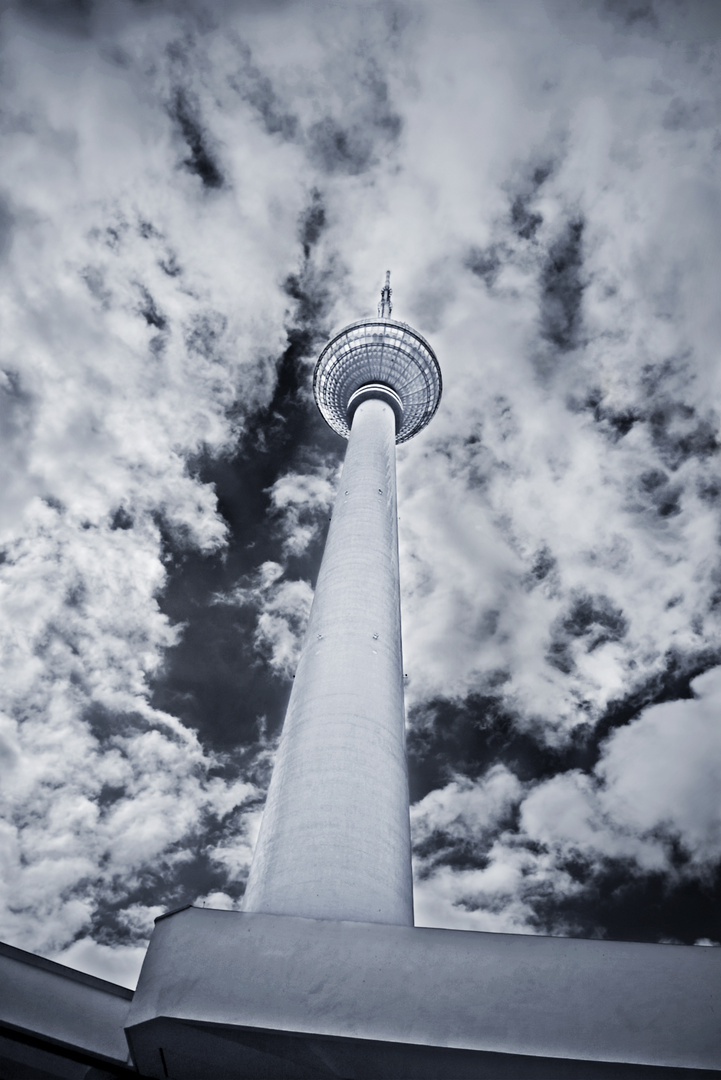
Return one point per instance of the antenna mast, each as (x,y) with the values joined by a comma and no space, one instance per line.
(385,307)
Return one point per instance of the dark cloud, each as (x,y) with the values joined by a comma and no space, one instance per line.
(312,223)
(709,489)
(185,873)
(653,479)
(595,619)
(112,236)
(352,144)
(608,898)
(632,13)
(106,725)
(665,497)
(465,737)
(15,403)
(121,519)
(205,334)
(524,221)
(614,422)
(214,679)
(544,564)
(446,848)
(169,265)
(201,162)
(688,116)
(591,891)
(680,433)
(624,905)
(338,148)
(344,146)
(347,145)
(311,290)
(562,288)
(69,16)
(6,227)
(148,231)
(258,91)
(150,311)
(94,278)
(671,682)
(485,263)
(167,258)
(470,458)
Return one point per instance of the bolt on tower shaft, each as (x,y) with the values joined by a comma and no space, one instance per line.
(334,841)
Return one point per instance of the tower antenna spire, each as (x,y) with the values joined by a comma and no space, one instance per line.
(385,307)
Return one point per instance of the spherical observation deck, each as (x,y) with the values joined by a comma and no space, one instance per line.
(392,360)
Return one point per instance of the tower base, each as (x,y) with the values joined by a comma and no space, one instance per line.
(250,995)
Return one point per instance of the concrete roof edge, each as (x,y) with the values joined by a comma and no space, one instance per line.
(173,911)
(21,956)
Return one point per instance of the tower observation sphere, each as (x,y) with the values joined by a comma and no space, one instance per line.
(378,358)
(334,841)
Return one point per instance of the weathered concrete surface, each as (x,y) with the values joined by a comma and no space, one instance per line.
(335,837)
(502,994)
(57,1005)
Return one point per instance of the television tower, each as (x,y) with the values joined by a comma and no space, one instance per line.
(334,841)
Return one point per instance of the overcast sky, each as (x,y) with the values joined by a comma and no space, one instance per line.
(192,197)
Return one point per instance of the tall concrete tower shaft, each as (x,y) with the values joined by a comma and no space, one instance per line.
(335,837)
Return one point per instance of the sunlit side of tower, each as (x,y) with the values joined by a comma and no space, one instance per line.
(335,837)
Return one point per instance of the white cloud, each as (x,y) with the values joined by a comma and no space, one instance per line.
(464,809)
(125,352)
(139,919)
(499,899)
(283,609)
(568,816)
(116,964)
(218,900)
(662,773)
(522,470)
(301,500)
(656,782)
(236,850)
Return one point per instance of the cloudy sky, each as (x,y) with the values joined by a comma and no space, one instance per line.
(192,197)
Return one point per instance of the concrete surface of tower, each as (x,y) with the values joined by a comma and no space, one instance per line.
(334,841)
